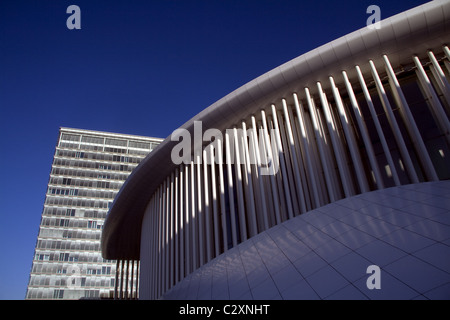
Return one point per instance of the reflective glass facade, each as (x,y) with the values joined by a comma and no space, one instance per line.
(89,168)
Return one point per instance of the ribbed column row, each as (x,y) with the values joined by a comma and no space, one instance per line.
(336,139)
(127,280)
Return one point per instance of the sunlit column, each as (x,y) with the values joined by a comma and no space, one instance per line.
(295,164)
(250,198)
(172,238)
(447,54)
(182,222)
(240,193)
(270,161)
(297,153)
(307,157)
(207,220)
(126,280)
(354,151)
(282,163)
(286,158)
(176,215)
(116,281)
(230,188)
(160,213)
(260,178)
(154,245)
(193,222)
(200,212)
(394,125)
(187,225)
(132,279)
(266,175)
(214,201)
(155,248)
(378,127)
(166,236)
(327,163)
(222,194)
(440,76)
(137,279)
(436,106)
(410,123)
(364,133)
(336,144)
(122,276)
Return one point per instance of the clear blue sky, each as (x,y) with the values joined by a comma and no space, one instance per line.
(137,67)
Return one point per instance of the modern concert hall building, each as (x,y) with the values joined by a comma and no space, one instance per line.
(296,184)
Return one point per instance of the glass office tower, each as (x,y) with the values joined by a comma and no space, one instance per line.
(89,168)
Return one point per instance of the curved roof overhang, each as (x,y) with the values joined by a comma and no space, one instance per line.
(412,32)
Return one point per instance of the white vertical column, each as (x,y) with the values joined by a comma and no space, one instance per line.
(254,177)
(282,163)
(207,221)
(160,275)
(132,280)
(320,144)
(126,280)
(354,150)
(121,280)
(259,176)
(364,132)
(278,177)
(161,242)
(188,222)
(447,54)
(297,153)
(410,123)
(182,222)
(271,161)
(166,236)
(329,157)
(176,226)
(230,189)
(308,157)
(137,278)
(214,201)
(394,126)
(308,187)
(286,156)
(267,175)
(295,164)
(343,172)
(194,243)
(200,213)
(436,106)
(155,228)
(163,238)
(151,263)
(172,238)
(378,127)
(155,251)
(240,194)
(440,78)
(222,195)
(250,198)
(116,281)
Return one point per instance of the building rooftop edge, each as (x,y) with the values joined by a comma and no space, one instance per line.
(111,134)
